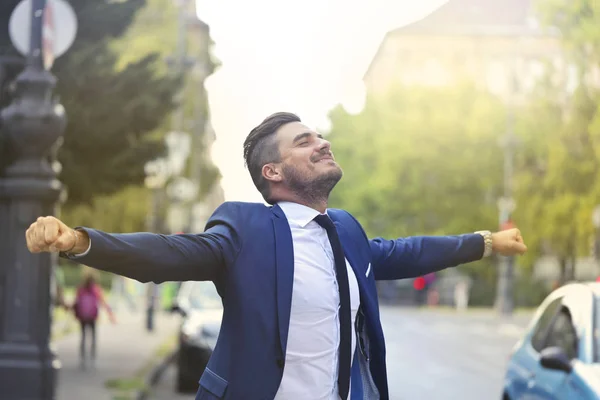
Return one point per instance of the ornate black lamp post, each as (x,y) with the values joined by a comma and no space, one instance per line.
(31,129)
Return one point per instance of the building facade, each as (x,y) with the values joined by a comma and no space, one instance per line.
(487,42)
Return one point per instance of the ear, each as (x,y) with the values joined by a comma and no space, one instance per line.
(272,173)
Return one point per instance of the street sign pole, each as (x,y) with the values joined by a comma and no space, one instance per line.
(506,275)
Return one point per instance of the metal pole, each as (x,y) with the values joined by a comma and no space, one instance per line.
(178,123)
(151,289)
(31,128)
(505,289)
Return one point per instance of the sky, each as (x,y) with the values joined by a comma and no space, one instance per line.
(299,56)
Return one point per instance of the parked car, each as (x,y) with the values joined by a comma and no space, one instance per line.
(202,310)
(559,355)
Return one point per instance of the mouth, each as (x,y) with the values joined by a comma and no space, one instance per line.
(325,159)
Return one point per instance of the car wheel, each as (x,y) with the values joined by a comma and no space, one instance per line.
(505,396)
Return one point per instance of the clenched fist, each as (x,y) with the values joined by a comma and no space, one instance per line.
(508,242)
(49,234)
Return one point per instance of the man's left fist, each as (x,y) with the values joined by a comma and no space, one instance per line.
(508,242)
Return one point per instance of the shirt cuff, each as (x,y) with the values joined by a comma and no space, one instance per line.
(76,256)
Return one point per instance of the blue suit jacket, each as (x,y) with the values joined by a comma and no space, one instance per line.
(247,251)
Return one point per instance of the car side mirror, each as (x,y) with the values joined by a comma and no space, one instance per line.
(556,359)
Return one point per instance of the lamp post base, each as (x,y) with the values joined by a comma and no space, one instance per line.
(24,363)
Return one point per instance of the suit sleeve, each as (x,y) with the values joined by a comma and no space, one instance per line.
(158,258)
(419,255)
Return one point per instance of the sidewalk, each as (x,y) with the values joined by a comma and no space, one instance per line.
(123,349)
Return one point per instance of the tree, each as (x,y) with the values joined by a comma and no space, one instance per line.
(125,211)
(421,161)
(558,163)
(578,23)
(114,109)
(154,28)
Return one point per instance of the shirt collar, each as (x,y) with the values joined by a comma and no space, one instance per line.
(298,213)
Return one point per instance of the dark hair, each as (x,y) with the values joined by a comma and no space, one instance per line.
(261,147)
(89,280)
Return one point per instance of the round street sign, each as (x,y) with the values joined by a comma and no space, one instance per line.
(58,32)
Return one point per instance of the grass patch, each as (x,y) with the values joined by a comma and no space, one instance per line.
(125,388)
(125,384)
(167,347)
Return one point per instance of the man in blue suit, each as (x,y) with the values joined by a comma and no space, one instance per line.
(297,280)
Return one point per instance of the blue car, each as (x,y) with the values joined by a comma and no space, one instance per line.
(559,356)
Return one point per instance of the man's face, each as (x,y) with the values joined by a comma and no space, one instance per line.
(307,163)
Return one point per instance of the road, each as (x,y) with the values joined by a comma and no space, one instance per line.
(433,354)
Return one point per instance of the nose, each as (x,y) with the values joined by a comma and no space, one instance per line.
(324,146)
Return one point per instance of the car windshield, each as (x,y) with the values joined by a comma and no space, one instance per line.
(203,295)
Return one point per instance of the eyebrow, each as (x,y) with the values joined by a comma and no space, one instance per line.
(305,135)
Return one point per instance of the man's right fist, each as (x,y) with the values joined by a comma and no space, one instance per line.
(51,235)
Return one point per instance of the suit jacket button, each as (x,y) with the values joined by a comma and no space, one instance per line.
(280,363)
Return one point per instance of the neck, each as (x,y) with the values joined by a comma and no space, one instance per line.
(319,204)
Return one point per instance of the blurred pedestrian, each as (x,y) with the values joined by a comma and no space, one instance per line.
(88,300)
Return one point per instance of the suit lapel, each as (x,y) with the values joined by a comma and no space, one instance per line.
(284,256)
(352,257)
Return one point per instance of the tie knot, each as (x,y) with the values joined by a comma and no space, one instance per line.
(324,221)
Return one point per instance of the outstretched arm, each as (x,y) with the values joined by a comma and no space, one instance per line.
(104,303)
(420,255)
(144,256)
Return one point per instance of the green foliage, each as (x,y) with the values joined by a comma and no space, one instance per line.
(422,161)
(123,212)
(114,102)
(558,159)
(579,24)
(73,275)
(428,161)
(556,179)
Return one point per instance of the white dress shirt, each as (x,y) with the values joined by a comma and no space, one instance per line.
(311,360)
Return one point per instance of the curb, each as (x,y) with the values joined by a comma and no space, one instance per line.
(155,374)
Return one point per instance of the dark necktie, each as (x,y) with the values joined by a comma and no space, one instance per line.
(344,314)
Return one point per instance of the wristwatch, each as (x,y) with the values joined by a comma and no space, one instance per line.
(487,240)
